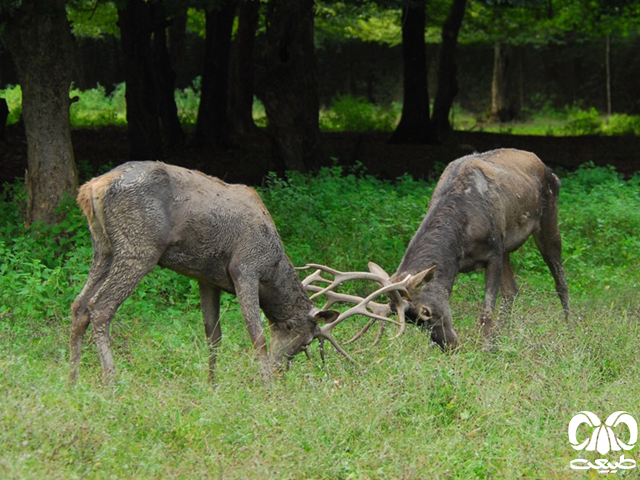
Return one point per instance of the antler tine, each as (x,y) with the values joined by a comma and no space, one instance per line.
(314,277)
(339,277)
(335,297)
(361,307)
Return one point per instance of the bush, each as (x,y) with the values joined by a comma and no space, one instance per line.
(356,114)
(13,95)
(95,108)
(583,122)
(622,124)
(188,102)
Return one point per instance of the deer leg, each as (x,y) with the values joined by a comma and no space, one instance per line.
(493,274)
(247,292)
(508,285)
(80,313)
(210,304)
(125,273)
(549,242)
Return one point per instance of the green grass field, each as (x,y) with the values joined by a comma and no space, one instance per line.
(406,411)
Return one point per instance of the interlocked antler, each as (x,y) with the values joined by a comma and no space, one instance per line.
(363,306)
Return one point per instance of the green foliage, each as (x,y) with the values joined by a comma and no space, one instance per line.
(544,119)
(365,21)
(188,101)
(356,114)
(13,95)
(95,108)
(622,124)
(93,19)
(406,411)
(583,122)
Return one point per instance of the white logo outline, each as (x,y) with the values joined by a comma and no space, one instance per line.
(603,440)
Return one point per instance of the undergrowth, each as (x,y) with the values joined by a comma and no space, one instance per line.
(406,411)
(98,107)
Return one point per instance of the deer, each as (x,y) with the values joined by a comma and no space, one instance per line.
(146,213)
(484,206)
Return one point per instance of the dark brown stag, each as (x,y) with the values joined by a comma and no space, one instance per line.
(143,214)
(483,208)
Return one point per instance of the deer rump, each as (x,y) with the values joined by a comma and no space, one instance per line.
(180,219)
(484,207)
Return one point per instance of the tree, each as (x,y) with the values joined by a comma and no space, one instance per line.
(211,127)
(241,85)
(152,116)
(38,36)
(447,88)
(291,93)
(415,126)
(506,24)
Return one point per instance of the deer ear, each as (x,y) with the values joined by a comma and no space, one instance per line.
(326,316)
(421,279)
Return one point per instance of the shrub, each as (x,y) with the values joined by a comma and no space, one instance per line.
(13,95)
(622,124)
(356,114)
(583,122)
(95,108)
(188,102)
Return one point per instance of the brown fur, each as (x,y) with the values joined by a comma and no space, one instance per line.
(93,192)
(143,214)
(483,208)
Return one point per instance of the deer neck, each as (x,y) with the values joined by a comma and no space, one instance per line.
(282,296)
(437,242)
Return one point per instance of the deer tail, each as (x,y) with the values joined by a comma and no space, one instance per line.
(91,197)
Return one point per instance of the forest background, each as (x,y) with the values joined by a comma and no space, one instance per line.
(238,89)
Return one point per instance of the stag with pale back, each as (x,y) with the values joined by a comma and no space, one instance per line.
(484,207)
(143,214)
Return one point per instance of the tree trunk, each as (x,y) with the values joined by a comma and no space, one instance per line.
(414,126)
(4,114)
(291,94)
(607,64)
(166,82)
(136,25)
(213,113)
(447,72)
(241,87)
(39,38)
(504,88)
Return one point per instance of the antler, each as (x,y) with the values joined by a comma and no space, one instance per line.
(363,306)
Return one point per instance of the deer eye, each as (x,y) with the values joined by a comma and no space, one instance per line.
(425,312)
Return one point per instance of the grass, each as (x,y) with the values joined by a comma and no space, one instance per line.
(407,410)
(95,108)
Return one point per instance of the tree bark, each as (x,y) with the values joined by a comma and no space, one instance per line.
(447,72)
(414,126)
(213,113)
(504,88)
(241,86)
(136,26)
(170,127)
(291,95)
(607,65)
(38,35)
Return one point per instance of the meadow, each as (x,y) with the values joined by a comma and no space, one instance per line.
(407,410)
